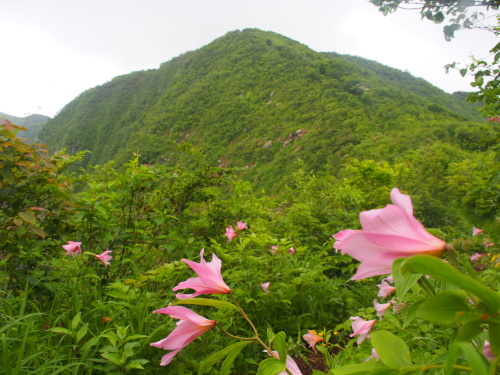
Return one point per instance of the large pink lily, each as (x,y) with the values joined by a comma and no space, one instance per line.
(388,233)
(209,280)
(189,327)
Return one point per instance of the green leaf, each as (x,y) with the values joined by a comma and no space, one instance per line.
(392,350)
(206,302)
(28,216)
(76,320)
(406,283)
(271,366)
(357,369)
(469,331)
(60,330)
(444,307)
(494,337)
(136,364)
(226,365)
(113,358)
(279,344)
(208,363)
(412,312)
(475,361)
(93,341)
(438,269)
(82,332)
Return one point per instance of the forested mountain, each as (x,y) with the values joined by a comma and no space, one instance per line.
(261,101)
(32,122)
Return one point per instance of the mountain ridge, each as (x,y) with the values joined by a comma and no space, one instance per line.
(242,98)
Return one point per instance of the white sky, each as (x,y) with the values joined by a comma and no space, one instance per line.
(52,50)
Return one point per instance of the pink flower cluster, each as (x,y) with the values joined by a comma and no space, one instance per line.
(231,233)
(191,325)
(73,248)
(497,119)
(275,249)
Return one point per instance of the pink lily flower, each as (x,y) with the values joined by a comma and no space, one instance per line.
(189,327)
(388,233)
(265,287)
(312,339)
(209,280)
(291,250)
(290,365)
(490,356)
(476,231)
(487,243)
(230,233)
(72,248)
(396,306)
(389,279)
(374,355)
(385,289)
(362,328)
(241,225)
(104,257)
(381,308)
(475,257)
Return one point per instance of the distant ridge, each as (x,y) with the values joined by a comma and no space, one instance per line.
(260,101)
(32,122)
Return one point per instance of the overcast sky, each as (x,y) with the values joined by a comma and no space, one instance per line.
(52,50)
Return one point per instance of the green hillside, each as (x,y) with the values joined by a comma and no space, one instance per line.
(260,101)
(33,123)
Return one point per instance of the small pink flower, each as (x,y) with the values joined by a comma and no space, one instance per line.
(388,233)
(241,225)
(209,280)
(374,355)
(312,339)
(291,250)
(385,289)
(490,356)
(230,233)
(72,248)
(274,252)
(265,287)
(381,308)
(189,327)
(396,306)
(290,365)
(389,279)
(475,257)
(476,231)
(104,257)
(362,328)
(487,243)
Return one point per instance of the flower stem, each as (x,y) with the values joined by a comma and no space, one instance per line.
(426,285)
(256,333)
(453,258)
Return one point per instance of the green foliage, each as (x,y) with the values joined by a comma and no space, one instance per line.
(34,200)
(258,101)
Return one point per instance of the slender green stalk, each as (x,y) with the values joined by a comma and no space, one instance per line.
(452,257)
(426,285)
(256,338)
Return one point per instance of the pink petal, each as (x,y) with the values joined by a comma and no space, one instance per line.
(403,201)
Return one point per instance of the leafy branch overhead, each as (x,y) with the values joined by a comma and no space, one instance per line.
(464,14)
